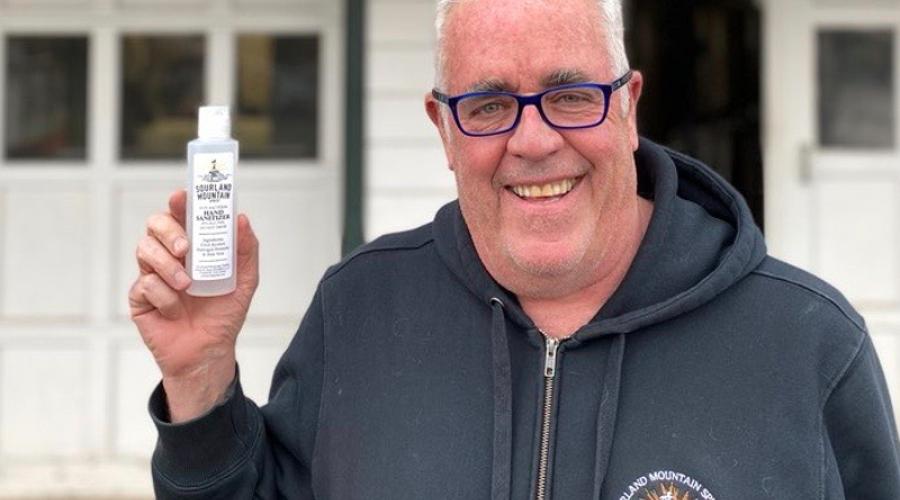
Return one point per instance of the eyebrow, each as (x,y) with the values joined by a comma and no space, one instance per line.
(564,77)
(490,85)
(555,79)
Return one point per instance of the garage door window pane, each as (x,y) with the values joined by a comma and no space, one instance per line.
(856,89)
(277,96)
(162,86)
(46,97)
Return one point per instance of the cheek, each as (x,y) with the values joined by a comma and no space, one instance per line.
(613,178)
(476,164)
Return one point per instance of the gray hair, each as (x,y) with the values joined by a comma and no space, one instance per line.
(610,12)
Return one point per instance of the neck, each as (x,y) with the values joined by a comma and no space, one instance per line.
(560,317)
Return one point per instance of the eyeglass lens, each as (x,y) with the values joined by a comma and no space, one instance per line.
(570,107)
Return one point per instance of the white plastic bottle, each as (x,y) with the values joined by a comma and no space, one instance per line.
(211,211)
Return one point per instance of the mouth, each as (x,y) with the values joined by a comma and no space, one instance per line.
(544,192)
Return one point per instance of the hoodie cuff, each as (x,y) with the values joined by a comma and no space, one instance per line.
(208,447)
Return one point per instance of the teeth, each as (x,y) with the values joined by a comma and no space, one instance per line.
(545,190)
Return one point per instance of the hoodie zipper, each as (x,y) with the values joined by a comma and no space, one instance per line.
(549,379)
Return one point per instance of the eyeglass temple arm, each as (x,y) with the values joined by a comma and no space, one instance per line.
(444,98)
(622,80)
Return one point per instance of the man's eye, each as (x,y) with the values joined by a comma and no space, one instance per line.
(489,108)
(572,98)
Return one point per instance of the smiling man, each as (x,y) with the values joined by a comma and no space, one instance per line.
(595,317)
(548,191)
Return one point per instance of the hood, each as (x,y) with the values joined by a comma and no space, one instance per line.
(701,240)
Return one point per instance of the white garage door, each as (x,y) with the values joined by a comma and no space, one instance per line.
(97,100)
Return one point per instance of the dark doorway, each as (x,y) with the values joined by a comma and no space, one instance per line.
(701,66)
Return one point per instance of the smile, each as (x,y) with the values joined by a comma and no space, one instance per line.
(550,190)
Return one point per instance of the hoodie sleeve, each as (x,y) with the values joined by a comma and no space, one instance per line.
(860,427)
(240,451)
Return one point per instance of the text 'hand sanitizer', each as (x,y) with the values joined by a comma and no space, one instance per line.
(211,211)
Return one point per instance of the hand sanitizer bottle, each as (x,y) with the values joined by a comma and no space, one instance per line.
(211,213)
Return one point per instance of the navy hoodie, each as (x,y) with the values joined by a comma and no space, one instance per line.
(713,372)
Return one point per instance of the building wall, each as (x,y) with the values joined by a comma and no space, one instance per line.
(407,178)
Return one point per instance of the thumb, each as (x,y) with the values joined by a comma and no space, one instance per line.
(247,255)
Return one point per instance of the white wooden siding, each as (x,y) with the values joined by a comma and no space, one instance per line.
(407,178)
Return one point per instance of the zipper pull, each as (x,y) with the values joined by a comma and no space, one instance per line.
(550,359)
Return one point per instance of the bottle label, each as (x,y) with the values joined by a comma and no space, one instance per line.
(212,227)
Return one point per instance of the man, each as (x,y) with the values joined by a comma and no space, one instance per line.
(596,318)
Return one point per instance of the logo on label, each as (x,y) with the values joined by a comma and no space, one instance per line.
(214,175)
(666,485)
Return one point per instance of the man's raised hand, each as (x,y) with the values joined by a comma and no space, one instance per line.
(192,339)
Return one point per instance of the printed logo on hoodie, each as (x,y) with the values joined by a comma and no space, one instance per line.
(666,485)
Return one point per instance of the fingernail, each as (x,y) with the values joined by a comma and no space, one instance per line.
(182,279)
(181,245)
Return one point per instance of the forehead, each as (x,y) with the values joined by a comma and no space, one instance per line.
(522,42)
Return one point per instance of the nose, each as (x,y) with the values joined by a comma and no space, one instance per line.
(534,139)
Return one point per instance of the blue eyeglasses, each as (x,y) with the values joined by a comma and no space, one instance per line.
(571,106)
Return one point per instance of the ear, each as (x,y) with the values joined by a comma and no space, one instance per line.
(433,108)
(635,86)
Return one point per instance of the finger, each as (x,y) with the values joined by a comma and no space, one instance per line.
(247,254)
(169,232)
(149,293)
(247,243)
(154,258)
(177,203)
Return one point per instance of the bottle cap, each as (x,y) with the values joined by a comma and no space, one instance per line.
(213,122)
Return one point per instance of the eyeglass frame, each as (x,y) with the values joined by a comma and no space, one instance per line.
(534,99)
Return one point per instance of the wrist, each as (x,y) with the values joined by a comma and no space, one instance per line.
(191,395)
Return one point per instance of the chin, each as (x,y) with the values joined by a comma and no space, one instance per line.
(546,260)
